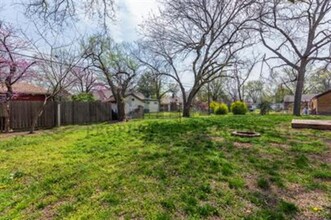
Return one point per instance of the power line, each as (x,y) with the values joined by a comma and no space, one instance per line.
(186,85)
(42,59)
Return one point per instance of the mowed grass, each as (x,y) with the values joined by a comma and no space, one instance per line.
(168,169)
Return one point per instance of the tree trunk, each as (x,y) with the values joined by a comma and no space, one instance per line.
(9,95)
(299,90)
(187,108)
(7,116)
(121,109)
(36,117)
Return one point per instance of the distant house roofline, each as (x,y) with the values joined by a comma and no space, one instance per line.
(25,88)
(322,94)
(135,95)
(304,98)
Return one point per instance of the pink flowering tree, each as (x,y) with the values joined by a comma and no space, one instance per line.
(13,67)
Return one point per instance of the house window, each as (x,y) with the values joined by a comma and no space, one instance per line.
(133,100)
(155,103)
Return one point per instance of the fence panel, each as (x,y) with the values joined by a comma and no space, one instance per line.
(72,113)
(23,112)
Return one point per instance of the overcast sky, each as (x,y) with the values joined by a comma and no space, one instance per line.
(129,14)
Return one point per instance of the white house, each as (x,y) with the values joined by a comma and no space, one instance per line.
(152,105)
(135,100)
(132,102)
(171,103)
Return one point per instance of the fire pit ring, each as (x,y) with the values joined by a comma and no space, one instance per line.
(248,134)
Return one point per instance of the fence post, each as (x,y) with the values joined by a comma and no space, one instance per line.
(58,112)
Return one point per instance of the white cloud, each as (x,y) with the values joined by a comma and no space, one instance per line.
(130,14)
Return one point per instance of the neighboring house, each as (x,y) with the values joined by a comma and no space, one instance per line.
(277,107)
(25,92)
(171,103)
(321,104)
(289,101)
(134,101)
(102,95)
(152,105)
(63,96)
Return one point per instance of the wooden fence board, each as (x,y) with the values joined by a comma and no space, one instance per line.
(72,113)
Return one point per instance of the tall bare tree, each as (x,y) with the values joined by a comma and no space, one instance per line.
(59,12)
(55,73)
(298,34)
(198,39)
(86,79)
(117,66)
(255,90)
(13,67)
(241,71)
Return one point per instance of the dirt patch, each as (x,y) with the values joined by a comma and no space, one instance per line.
(311,203)
(282,146)
(242,145)
(19,134)
(50,211)
(217,139)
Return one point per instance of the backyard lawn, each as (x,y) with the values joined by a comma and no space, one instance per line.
(168,169)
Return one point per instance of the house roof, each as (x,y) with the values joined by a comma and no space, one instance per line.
(322,94)
(25,88)
(304,98)
(137,95)
(169,99)
(102,95)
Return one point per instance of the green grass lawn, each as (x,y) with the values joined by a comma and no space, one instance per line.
(168,169)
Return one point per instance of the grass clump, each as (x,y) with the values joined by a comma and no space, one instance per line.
(263,183)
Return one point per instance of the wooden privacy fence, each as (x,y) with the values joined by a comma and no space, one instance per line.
(55,114)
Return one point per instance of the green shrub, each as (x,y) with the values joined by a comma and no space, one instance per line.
(265,107)
(239,108)
(221,109)
(213,105)
(83,97)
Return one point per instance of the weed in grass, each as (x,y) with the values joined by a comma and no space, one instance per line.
(263,183)
(207,210)
(110,199)
(66,208)
(227,169)
(302,161)
(163,216)
(168,204)
(236,183)
(322,174)
(287,208)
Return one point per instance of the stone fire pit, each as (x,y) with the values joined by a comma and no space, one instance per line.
(248,134)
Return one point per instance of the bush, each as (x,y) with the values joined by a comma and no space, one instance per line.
(221,109)
(239,108)
(213,105)
(83,97)
(265,107)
